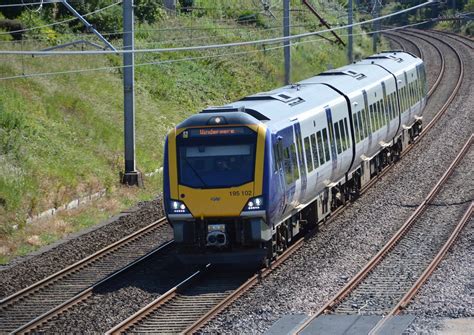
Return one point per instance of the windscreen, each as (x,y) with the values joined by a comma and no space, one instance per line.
(216,157)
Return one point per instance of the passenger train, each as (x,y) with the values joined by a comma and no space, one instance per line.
(242,180)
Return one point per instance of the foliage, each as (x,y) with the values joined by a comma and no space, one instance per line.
(34,19)
(250,17)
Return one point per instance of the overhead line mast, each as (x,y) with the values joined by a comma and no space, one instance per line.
(131,176)
(287,43)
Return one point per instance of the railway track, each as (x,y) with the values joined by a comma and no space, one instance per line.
(160,259)
(467,41)
(182,305)
(392,277)
(414,48)
(40,298)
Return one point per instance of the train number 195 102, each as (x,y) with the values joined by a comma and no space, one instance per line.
(240,193)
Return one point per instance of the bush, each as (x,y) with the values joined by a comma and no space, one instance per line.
(12,25)
(250,17)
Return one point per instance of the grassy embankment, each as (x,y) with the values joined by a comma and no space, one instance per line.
(61,135)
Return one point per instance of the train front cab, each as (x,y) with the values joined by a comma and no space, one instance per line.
(214,195)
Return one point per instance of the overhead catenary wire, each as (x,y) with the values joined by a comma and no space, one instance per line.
(66,37)
(37,10)
(170,61)
(173,29)
(212,46)
(21,4)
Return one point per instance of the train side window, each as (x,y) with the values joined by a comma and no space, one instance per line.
(415,89)
(418,89)
(397,106)
(361,125)
(408,96)
(402,99)
(338,138)
(390,103)
(347,133)
(389,107)
(322,160)
(410,93)
(372,119)
(326,144)
(343,135)
(356,127)
(294,162)
(307,149)
(407,102)
(410,90)
(380,114)
(385,111)
(376,115)
(366,123)
(394,106)
(315,151)
(287,165)
(420,83)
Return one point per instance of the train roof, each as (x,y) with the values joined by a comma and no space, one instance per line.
(277,107)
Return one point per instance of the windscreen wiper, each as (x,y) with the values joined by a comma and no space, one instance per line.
(195,172)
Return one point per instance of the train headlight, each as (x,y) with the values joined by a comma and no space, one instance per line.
(178,207)
(255,204)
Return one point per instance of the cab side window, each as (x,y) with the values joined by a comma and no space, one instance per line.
(287,165)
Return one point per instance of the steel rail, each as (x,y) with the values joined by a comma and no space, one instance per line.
(417,48)
(374,261)
(255,279)
(394,40)
(460,38)
(85,294)
(426,274)
(74,267)
(455,90)
(157,303)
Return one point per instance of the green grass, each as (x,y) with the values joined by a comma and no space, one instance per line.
(61,136)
